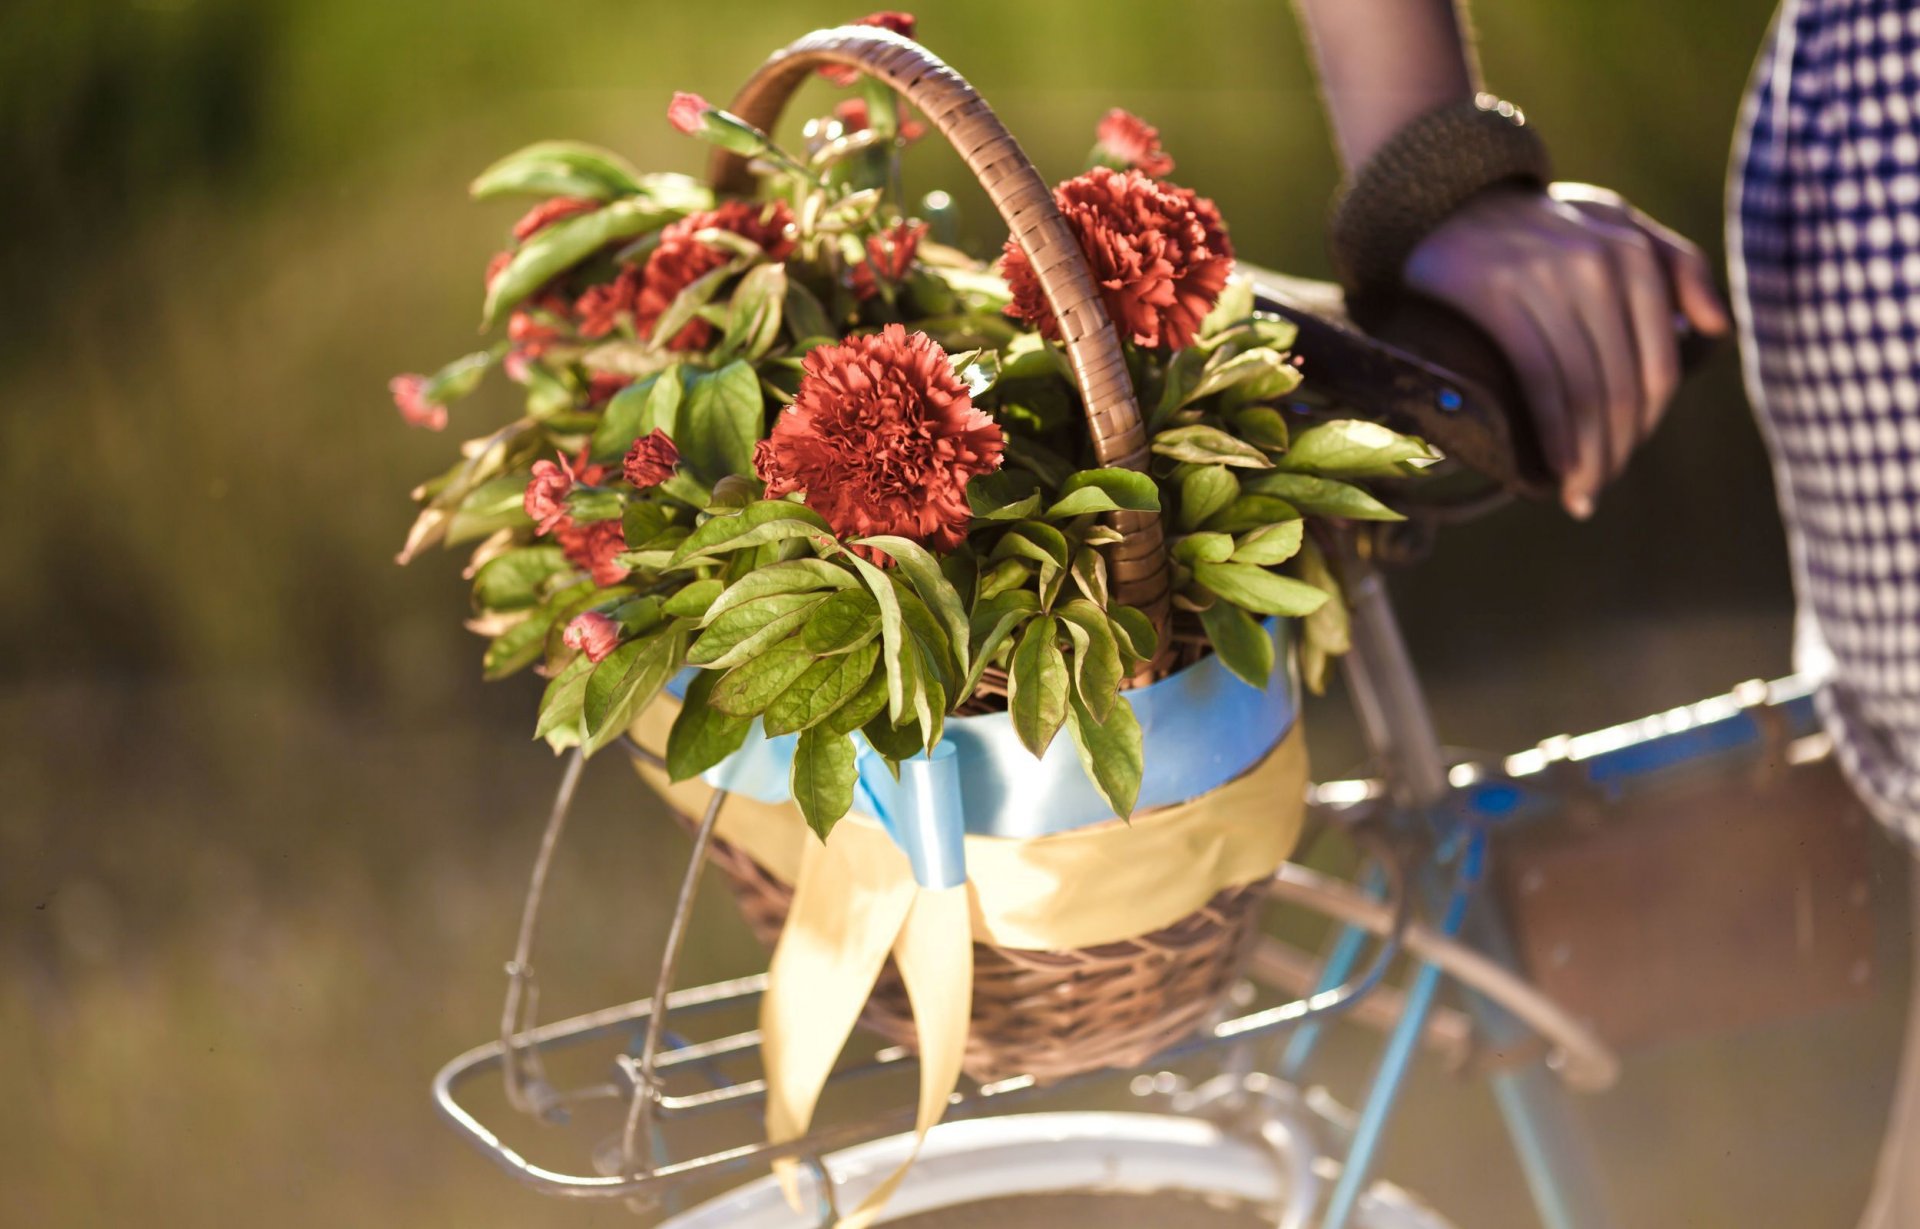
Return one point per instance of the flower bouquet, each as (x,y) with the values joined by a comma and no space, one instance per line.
(841,518)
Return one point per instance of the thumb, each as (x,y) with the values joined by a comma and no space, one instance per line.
(1693,286)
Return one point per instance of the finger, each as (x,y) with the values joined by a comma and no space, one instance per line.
(1643,282)
(1692,277)
(1580,395)
(1601,310)
(1542,384)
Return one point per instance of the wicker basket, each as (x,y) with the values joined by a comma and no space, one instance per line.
(1045,1014)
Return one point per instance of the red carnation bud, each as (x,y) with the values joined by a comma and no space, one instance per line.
(546,497)
(592,633)
(600,308)
(854,117)
(596,548)
(882,438)
(899,23)
(410,398)
(1130,142)
(603,386)
(651,460)
(686,110)
(1159,254)
(889,256)
(679,260)
(547,212)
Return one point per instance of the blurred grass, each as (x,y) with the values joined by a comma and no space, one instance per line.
(262,830)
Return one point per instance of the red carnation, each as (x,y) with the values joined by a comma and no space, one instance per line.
(899,23)
(685,110)
(410,398)
(497,266)
(593,634)
(854,117)
(547,491)
(681,259)
(883,438)
(1132,142)
(596,548)
(1159,254)
(547,212)
(529,333)
(603,386)
(889,256)
(599,309)
(651,460)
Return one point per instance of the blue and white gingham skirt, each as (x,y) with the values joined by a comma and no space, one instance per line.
(1824,238)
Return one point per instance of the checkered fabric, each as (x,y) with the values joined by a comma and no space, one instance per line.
(1824,234)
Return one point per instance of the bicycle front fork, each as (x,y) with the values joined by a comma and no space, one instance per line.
(1550,1141)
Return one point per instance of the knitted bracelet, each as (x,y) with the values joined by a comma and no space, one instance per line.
(1417,180)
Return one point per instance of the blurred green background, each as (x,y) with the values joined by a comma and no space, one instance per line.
(263,830)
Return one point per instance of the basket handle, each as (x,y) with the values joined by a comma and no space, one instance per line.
(1137,566)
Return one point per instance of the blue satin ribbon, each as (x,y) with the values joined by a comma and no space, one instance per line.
(1202,727)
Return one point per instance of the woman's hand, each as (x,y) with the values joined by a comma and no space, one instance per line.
(1588,298)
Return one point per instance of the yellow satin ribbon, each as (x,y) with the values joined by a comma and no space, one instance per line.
(855,900)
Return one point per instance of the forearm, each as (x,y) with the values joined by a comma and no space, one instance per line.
(1385,62)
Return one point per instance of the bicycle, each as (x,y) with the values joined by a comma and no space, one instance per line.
(1246,1146)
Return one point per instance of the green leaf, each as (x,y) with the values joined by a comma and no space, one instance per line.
(750,628)
(516,579)
(770,520)
(1322,496)
(1262,425)
(626,682)
(823,778)
(992,622)
(848,619)
(1242,645)
(702,735)
(893,637)
(923,572)
(1003,576)
(1234,305)
(1203,548)
(753,315)
(1004,495)
(1110,753)
(458,378)
(1204,491)
(1251,512)
(791,576)
(1270,544)
(1223,373)
(720,420)
(1351,448)
(564,244)
(1328,630)
(1124,489)
(757,681)
(1259,590)
(560,705)
(895,742)
(1205,445)
(563,168)
(1035,540)
(1037,685)
(1096,656)
(499,503)
(1090,575)
(1135,632)
(821,689)
(862,707)
(636,410)
(804,316)
(693,600)
(518,647)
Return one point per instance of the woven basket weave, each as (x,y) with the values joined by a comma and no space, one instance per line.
(1045,1014)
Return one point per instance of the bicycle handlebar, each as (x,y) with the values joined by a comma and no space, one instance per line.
(1425,369)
